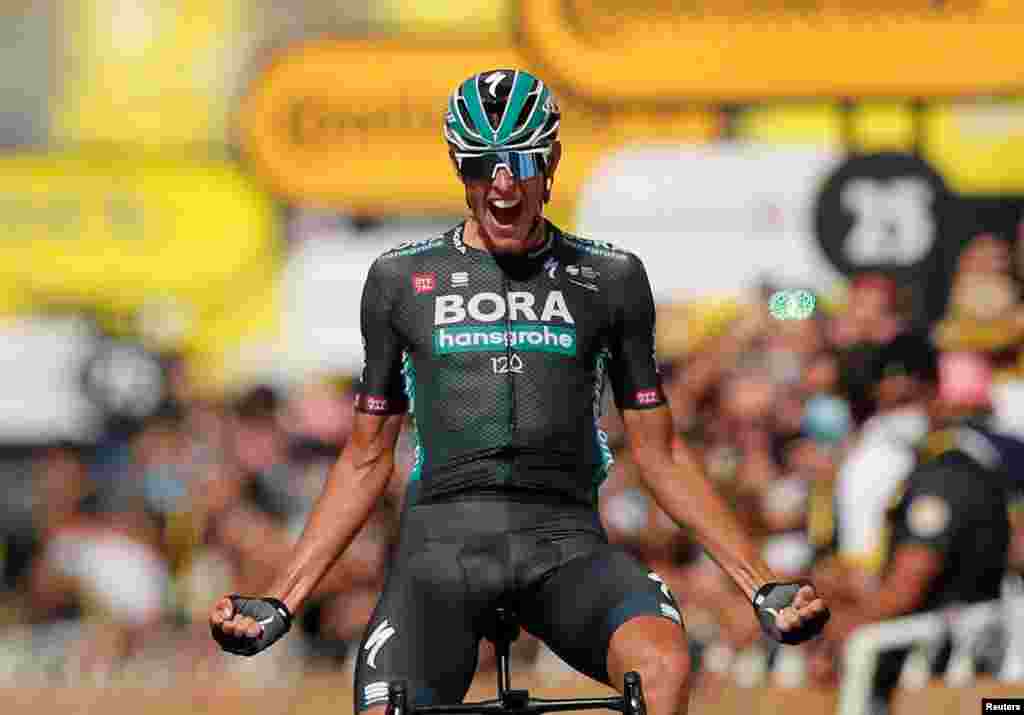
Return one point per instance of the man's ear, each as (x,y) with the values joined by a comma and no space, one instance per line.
(549,179)
(455,164)
(556,155)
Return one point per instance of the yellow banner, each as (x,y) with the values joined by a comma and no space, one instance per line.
(661,50)
(977,146)
(150,72)
(356,126)
(172,246)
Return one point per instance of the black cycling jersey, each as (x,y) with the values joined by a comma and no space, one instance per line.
(957,504)
(503,361)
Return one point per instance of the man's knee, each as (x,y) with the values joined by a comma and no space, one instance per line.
(654,647)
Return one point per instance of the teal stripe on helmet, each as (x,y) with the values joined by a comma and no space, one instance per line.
(539,116)
(521,87)
(458,125)
(475,106)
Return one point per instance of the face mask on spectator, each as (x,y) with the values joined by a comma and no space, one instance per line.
(164,488)
(906,424)
(827,419)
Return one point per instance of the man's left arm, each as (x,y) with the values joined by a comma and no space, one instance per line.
(685,494)
(675,480)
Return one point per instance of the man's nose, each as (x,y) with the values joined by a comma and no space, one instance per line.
(503,179)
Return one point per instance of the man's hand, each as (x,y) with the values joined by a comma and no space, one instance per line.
(246,625)
(790,612)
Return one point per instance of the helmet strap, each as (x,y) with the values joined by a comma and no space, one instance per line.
(547,189)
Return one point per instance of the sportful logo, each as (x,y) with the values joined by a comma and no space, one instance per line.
(528,331)
(584,271)
(376,641)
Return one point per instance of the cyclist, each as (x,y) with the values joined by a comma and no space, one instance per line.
(498,337)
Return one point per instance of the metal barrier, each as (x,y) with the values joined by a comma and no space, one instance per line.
(963,626)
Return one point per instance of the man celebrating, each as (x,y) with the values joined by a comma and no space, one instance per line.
(499,337)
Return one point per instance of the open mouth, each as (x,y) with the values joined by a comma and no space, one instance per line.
(506,212)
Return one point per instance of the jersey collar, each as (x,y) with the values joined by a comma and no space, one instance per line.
(459,244)
(549,240)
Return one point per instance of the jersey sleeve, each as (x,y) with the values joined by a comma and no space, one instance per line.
(930,511)
(381,386)
(633,367)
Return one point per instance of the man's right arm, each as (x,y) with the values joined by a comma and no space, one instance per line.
(356,483)
(362,472)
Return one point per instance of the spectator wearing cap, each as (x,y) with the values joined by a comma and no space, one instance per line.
(99,565)
(985,312)
(903,374)
(948,529)
(872,317)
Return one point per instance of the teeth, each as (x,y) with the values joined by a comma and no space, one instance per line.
(505,203)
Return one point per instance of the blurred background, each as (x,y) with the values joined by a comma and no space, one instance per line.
(191,194)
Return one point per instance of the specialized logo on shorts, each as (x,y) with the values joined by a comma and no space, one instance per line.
(376,641)
(527,331)
(669,612)
(664,587)
(424,282)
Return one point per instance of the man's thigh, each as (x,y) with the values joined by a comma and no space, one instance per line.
(421,632)
(578,609)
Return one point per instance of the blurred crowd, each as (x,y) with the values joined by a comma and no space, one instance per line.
(113,553)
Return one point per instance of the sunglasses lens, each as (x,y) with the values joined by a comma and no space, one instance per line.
(484,167)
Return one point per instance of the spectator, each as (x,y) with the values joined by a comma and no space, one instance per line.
(949,530)
(985,312)
(903,375)
(257,519)
(870,319)
(99,560)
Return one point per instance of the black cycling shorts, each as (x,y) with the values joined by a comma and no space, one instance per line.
(551,565)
